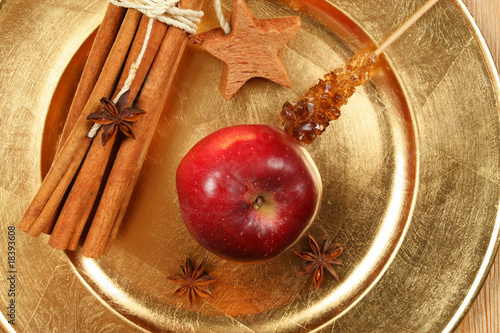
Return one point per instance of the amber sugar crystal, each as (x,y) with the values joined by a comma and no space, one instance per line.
(311,115)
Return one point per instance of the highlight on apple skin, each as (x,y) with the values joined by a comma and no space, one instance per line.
(248,192)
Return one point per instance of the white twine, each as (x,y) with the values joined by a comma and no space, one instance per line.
(163,11)
(222,21)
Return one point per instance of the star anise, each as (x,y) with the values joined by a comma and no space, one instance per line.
(193,282)
(116,116)
(320,259)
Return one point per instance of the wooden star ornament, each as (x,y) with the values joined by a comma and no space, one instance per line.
(250,49)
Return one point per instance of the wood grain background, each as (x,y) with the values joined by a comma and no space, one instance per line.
(484,316)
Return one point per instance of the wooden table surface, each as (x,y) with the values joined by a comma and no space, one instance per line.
(484,316)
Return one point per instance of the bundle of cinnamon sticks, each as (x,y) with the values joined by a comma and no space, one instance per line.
(90,184)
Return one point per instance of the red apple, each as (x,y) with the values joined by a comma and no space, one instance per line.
(247,193)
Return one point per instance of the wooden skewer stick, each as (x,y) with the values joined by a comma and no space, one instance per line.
(355,71)
(402,29)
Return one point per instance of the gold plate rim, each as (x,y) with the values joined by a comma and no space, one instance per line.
(33,146)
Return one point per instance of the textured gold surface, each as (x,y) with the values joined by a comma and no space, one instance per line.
(484,315)
(410,172)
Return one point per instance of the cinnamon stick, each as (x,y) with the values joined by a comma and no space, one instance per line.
(123,208)
(83,194)
(49,213)
(78,140)
(132,152)
(98,53)
(80,213)
(72,238)
(79,202)
(157,35)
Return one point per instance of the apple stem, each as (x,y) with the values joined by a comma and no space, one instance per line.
(258,203)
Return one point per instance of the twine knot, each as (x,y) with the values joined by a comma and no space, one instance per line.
(165,11)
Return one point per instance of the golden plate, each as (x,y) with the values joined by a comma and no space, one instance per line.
(410,173)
